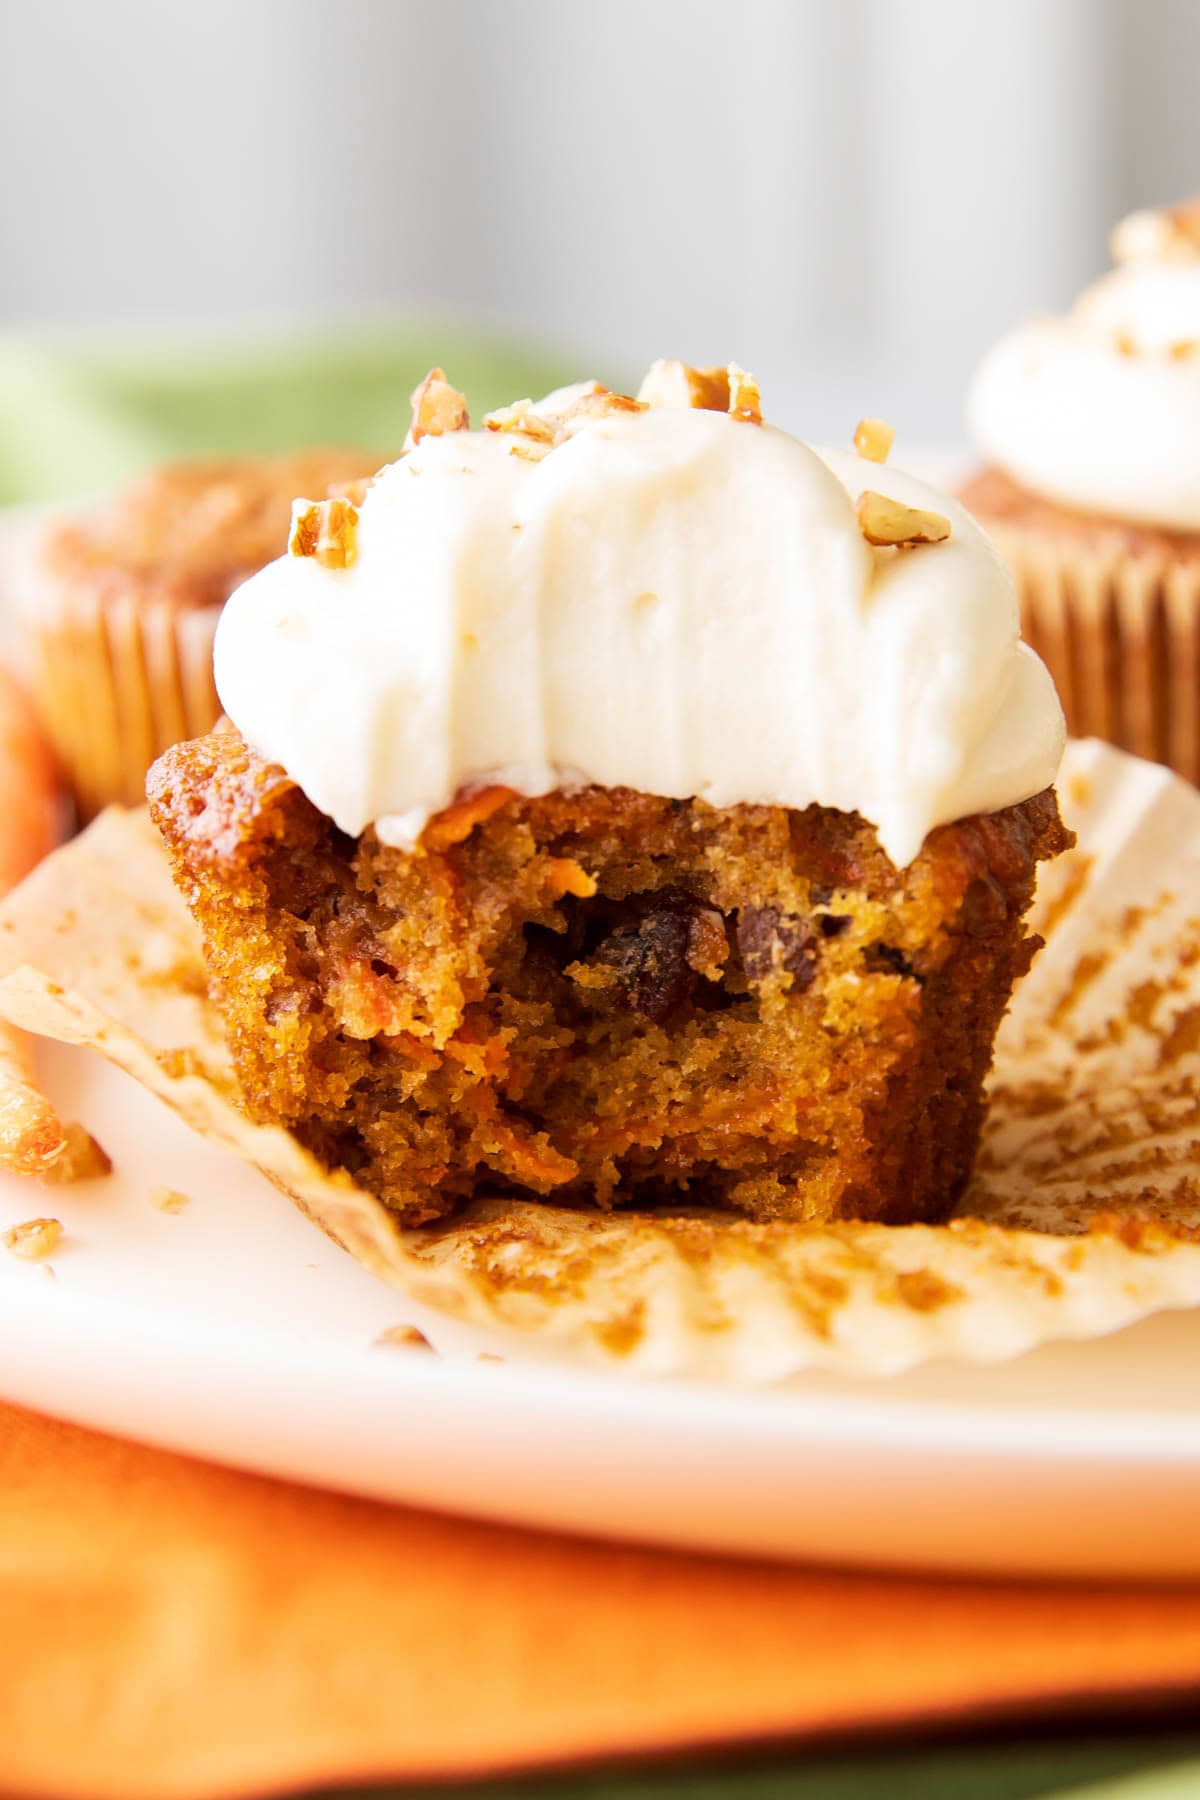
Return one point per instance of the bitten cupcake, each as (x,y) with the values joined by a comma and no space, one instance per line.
(119,605)
(627,805)
(1091,427)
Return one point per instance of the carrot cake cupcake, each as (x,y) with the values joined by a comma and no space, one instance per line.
(626,804)
(120,603)
(1090,424)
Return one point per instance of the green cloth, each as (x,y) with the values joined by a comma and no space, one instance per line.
(81,412)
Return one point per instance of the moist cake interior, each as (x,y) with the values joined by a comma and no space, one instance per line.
(606,997)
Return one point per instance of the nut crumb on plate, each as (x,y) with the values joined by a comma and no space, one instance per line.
(403,1337)
(34,1238)
(169,1199)
(80,1159)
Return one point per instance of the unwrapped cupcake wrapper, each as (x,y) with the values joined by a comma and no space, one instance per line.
(119,681)
(1120,633)
(1082,1215)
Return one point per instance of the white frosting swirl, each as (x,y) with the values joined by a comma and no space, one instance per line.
(1100,410)
(674,601)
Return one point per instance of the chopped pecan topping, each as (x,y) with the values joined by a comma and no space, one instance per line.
(436,408)
(873,439)
(520,416)
(530,450)
(669,383)
(599,403)
(1185,220)
(745,401)
(1169,234)
(884,521)
(537,427)
(326,529)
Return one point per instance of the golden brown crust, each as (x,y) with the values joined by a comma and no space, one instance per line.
(187,534)
(995,498)
(606,996)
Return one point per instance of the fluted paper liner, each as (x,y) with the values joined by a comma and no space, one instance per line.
(1079,1219)
(1120,633)
(119,681)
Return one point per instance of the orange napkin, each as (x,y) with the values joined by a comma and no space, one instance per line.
(172,1629)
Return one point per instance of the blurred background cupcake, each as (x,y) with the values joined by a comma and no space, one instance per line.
(1090,423)
(118,604)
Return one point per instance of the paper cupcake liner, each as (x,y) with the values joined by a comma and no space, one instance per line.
(1081,1217)
(118,682)
(1121,636)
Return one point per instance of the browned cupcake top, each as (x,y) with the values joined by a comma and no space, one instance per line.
(188,533)
(996,499)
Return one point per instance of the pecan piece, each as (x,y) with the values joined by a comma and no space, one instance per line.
(669,383)
(326,529)
(436,408)
(521,417)
(1165,234)
(884,521)
(745,401)
(873,439)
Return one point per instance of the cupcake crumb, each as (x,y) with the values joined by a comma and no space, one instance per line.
(34,1238)
(403,1337)
(80,1159)
(169,1199)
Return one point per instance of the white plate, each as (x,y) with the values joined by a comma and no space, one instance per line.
(234,1330)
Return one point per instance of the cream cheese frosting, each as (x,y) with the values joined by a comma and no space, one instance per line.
(1100,409)
(672,600)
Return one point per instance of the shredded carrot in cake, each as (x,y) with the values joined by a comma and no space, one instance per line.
(458,821)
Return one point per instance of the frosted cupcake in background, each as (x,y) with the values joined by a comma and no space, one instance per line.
(1090,424)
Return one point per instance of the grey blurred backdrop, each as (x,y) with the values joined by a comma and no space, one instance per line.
(852,197)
